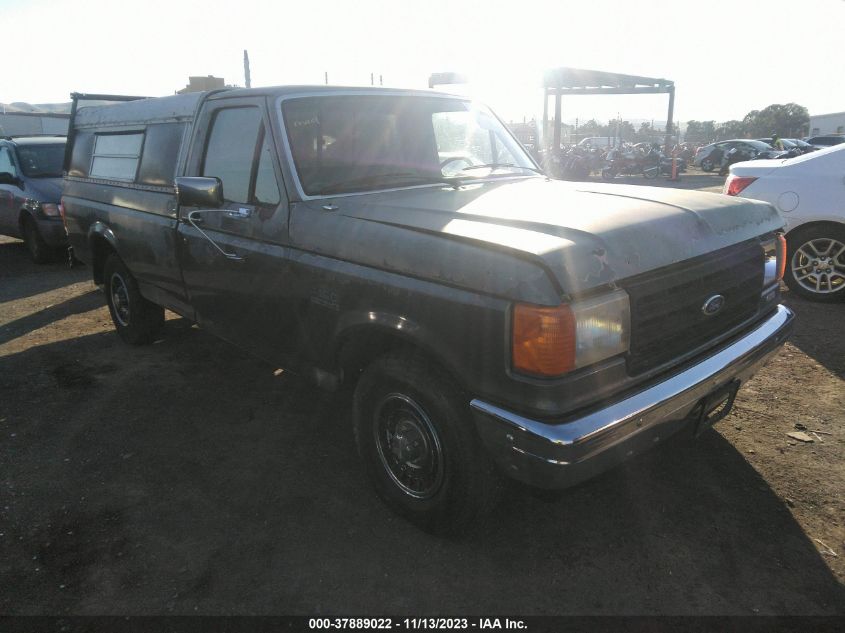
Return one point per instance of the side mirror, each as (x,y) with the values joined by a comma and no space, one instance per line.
(8,179)
(205,193)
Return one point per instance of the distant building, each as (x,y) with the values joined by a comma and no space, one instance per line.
(526,133)
(32,123)
(201,84)
(827,124)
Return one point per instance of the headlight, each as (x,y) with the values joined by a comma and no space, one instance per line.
(550,341)
(775,262)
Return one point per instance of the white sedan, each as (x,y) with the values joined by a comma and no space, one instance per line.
(809,191)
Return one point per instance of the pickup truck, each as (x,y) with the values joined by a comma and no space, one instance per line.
(491,321)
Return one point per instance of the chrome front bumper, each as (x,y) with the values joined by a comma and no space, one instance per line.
(553,454)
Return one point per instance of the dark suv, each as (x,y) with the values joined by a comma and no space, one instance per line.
(826,140)
(30,188)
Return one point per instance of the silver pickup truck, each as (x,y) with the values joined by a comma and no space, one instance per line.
(490,320)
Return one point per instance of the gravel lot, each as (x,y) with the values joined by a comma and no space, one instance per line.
(186,477)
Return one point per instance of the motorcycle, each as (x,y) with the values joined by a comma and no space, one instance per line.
(631,162)
(576,163)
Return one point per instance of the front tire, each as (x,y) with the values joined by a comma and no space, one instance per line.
(136,319)
(39,251)
(815,262)
(707,165)
(415,435)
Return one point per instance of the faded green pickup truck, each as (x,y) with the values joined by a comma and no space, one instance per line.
(490,320)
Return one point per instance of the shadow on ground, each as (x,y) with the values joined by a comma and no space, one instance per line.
(75,305)
(185,477)
(818,331)
(21,278)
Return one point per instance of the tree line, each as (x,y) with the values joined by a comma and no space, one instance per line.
(786,120)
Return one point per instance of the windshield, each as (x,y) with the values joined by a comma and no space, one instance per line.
(41,161)
(346,143)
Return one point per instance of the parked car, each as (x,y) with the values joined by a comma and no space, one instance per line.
(809,191)
(491,320)
(30,188)
(709,157)
(826,140)
(597,142)
(804,146)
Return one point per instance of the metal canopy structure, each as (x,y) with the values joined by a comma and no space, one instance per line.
(576,81)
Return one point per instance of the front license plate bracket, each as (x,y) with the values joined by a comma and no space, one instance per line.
(716,406)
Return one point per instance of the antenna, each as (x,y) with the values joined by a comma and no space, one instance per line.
(247,78)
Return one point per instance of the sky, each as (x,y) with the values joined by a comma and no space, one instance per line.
(725,57)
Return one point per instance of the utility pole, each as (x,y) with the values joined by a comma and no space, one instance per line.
(372,79)
(327,77)
(380,82)
(247,78)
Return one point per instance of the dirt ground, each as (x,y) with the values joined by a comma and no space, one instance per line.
(186,477)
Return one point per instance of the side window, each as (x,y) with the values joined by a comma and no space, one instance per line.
(116,156)
(266,187)
(230,152)
(6,164)
(161,151)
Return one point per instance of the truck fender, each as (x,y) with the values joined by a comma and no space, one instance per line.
(362,337)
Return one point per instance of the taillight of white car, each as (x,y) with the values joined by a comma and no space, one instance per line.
(735,184)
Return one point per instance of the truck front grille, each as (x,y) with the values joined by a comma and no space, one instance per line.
(667,317)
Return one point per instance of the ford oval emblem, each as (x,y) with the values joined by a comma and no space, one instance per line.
(713,305)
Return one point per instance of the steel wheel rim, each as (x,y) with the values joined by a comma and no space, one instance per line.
(408,446)
(119,299)
(818,265)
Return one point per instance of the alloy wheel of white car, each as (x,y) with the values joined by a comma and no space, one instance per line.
(818,266)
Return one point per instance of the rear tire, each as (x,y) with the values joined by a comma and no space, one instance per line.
(815,262)
(414,432)
(38,249)
(136,319)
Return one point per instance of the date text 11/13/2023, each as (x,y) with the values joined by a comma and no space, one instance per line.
(435,624)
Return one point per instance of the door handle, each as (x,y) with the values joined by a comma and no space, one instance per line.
(194,218)
(240,213)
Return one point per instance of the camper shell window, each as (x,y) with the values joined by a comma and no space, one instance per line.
(116,156)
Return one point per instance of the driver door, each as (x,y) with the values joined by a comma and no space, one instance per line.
(234,259)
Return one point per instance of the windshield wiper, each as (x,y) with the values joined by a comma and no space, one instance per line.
(377,179)
(497,165)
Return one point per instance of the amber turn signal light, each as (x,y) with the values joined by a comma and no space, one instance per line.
(781,255)
(543,341)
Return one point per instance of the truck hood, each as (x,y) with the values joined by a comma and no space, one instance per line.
(584,234)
